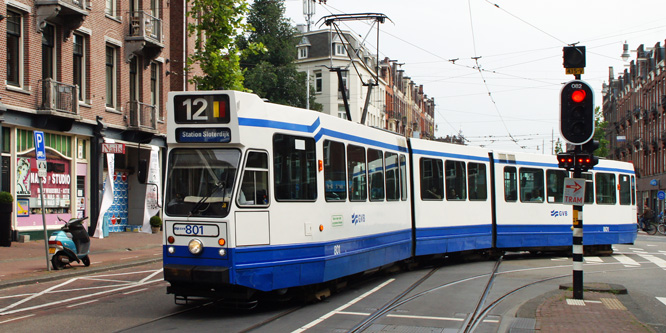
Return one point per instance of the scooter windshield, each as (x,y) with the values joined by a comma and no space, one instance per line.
(199,181)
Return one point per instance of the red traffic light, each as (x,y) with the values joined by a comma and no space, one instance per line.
(578,95)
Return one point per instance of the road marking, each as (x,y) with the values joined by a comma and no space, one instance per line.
(82,303)
(628,262)
(350,303)
(135,291)
(657,261)
(17,318)
(593,259)
(662,299)
(2,311)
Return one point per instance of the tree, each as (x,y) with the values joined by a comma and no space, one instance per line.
(600,125)
(217,24)
(272,74)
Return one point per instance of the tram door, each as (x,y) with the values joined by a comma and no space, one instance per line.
(252,198)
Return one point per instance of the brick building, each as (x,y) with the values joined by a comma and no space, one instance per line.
(634,107)
(87,73)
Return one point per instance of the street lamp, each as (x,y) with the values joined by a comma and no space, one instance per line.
(625,51)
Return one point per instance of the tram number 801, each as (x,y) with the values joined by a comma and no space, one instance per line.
(181,229)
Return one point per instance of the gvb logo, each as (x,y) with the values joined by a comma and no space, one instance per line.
(558,213)
(358,218)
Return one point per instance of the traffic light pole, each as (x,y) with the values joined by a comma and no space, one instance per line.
(577,243)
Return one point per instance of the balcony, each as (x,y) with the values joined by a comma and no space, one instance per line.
(141,122)
(144,37)
(59,105)
(69,14)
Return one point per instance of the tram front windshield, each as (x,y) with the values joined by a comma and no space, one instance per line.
(199,181)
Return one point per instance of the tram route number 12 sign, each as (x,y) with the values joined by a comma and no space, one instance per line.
(574,191)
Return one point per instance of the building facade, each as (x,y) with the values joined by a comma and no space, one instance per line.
(395,103)
(92,76)
(634,106)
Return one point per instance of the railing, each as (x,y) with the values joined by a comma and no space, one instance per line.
(145,25)
(58,96)
(80,4)
(141,115)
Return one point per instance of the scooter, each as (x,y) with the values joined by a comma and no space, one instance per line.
(71,243)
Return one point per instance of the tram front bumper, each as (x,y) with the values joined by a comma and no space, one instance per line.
(197,274)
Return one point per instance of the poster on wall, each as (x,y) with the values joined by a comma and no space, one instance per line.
(56,185)
(23,176)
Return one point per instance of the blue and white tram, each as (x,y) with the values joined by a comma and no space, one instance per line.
(529,210)
(452,202)
(264,198)
(267,197)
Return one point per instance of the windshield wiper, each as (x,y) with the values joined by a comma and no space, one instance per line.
(218,186)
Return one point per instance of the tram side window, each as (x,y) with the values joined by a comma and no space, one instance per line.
(432,185)
(633,190)
(510,184)
(476,180)
(403,177)
(625,190)
(335,183)
(392,176)
(376,174)
(295,168)
(358,190)
(531,185)
(555,185)
(605,186)
(254,188)
(456,189)
(589,188)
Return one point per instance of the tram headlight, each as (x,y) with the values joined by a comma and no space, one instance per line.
(223,252)
(171,250)
(195,246)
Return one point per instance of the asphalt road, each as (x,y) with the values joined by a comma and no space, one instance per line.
(443,297)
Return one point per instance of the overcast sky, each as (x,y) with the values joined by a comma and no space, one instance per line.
(519,43)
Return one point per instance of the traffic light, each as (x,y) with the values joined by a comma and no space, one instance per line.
(566,160)
(577,112)
(586,161)
(573,56)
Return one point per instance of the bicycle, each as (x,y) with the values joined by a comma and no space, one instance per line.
(648,227)
(661,226)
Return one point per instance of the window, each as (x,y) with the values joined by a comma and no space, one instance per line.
(14,49)
(339,49)
(455,180)
(79,65)
(392,176)
(633,190)
(432,185)
(110,8)
(476,181)
(625,190)
(589,188)
(134,80)
(376,174)
(110,76)
(254,186)
(295,168)
(403,177)
(155,89)
(510,184)
(335,184)
(48,52)
(531,185)
(356,173)
(605,186)
(555,185)
(318,82)
(302,52)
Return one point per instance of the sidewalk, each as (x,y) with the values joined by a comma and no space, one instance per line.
(24,263)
